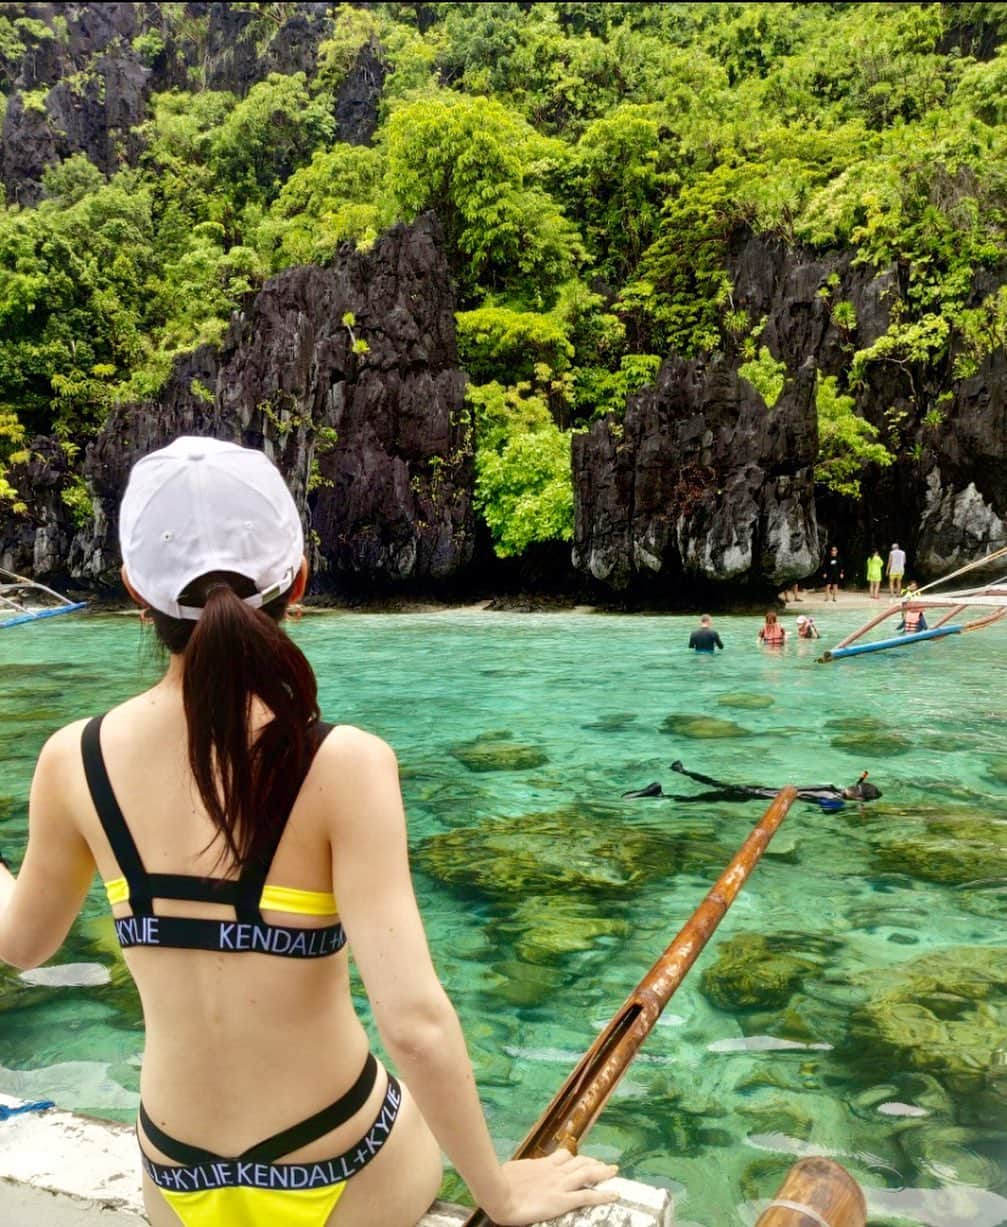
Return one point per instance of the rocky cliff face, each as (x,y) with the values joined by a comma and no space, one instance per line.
(83,85)
(699,485)
(702,483)
(963,474)
(38,541)
(946,504)
(348,378)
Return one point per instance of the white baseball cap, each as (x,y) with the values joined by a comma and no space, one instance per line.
(801,619)
(200,505)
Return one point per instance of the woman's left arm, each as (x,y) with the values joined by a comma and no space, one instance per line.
(38,907)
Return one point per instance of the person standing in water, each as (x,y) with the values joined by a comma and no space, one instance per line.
(874,568)
(704,638)
(806,628)
(225,817)
(895,569)
(913,618)
(772,632)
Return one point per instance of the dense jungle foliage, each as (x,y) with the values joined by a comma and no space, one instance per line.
(589,163)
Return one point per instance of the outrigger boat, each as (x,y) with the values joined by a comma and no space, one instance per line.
(982,607)
(16,601)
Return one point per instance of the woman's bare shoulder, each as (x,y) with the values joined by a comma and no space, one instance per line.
(348,746)
(64,743)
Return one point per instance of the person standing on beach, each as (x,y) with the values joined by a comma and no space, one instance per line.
(704,638)
(874,566)
(895,569)
(833,573)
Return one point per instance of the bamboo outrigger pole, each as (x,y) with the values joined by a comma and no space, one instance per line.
(31,583)
(579,1101)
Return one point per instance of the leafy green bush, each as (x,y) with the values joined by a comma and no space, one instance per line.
(523,487)
(766,375)
(847,443)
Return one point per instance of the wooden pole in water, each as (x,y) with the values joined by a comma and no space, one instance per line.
(579,1101)
(970,566)
(862,630)
(816,1193)
(979,622)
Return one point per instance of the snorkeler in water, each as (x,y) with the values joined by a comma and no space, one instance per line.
(826,795)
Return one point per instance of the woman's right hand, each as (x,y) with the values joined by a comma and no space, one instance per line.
(540,1189)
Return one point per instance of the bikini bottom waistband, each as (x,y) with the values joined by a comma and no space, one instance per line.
(252,1174)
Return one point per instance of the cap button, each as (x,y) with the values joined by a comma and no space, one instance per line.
(196,455)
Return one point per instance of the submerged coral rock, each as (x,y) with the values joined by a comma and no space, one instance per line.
(998,771)
(546,927)
(954,849)
(876,744)
(750,702)
(496,752)
(986,899)
(612,722)
(942,1013)
(560,853)
(683,725)
(752,973)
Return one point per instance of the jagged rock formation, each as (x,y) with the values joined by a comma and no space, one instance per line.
(239,52)
(947,503)
(965,465)
(699,480)
(83,85)
(38,541)
(702,482)
(356,108)
(392,499)
(375,445)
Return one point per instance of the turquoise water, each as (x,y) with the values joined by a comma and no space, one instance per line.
(852,1002)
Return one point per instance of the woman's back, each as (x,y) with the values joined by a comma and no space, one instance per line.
(227,1032)
(242,844)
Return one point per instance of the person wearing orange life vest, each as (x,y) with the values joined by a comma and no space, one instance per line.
(772,633)
(912,615)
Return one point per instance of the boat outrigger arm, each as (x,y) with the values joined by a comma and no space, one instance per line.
(983,606)
(16,590)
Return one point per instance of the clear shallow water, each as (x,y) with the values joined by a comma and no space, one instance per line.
(852,1001)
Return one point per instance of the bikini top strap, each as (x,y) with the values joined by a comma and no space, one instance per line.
(113,823)
(253,878)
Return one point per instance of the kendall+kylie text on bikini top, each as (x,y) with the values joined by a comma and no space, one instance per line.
(248,894)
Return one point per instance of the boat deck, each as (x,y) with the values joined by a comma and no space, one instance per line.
(62,1170)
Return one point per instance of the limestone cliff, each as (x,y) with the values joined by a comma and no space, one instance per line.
(946,499)
(88,71)
(700,484)
(348,378)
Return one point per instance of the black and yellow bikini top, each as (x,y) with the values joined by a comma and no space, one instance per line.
(248,894)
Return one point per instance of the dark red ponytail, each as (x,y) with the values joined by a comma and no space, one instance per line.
(234,655)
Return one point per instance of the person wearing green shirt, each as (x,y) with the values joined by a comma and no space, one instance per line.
(875,566)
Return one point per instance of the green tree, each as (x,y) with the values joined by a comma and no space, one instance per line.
(523,484)
(267,135)
(337,197)
(481,167)
(847,443)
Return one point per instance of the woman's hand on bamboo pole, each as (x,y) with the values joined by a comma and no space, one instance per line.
(540,1189)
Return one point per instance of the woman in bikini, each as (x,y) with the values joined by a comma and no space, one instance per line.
(245,846)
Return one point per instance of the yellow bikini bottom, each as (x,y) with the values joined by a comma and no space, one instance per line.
(248,1192)
(256,1207)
